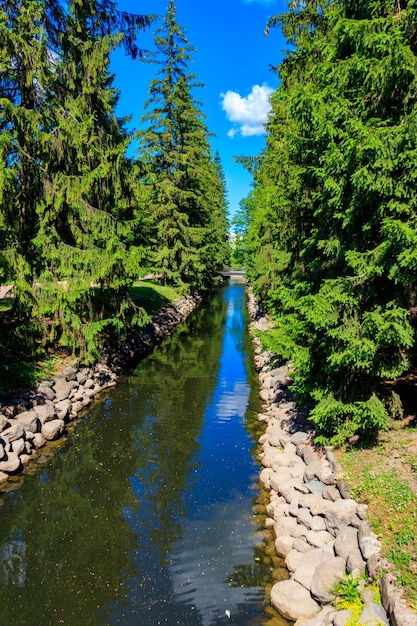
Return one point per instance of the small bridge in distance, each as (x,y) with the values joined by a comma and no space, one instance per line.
(231,272)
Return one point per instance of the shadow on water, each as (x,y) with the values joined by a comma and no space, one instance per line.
(146,516)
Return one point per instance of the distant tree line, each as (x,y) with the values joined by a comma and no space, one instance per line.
(79,219)
(331,222)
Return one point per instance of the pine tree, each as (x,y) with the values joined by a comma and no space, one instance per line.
(176,156)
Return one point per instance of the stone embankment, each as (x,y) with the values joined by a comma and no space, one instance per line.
(321,532)
(38,415)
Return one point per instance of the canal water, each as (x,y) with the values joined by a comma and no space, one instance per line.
(146,515)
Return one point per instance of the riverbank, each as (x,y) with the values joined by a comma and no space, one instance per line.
(332,556)
(38,415)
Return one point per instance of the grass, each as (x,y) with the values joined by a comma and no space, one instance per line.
(151,296)
(384,476)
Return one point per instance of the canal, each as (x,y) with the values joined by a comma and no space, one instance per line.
(146,515)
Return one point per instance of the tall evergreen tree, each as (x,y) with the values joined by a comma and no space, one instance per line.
(175,153)
(64,165)
(336,191)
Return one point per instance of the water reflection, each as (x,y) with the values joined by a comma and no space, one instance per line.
(145,517)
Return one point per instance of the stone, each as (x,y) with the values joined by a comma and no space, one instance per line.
(301,545)
(309,454)
(339,514)
(324,618)
(53,429)
(63,388)
(264,477)
(320,507)
(70,372)
(355,563)
(315,486)
(47,392)
(342,618)
(368,541)
(293,560)
(327,574)
(306,570)
(3,477)
(346,541)
(278,476)
(3,454)
(12,465)
(299,438)
(63,409)
(283,545)
(18,446)
(313,470)
(15,431)
(343,489)
(285,526)
(293,601)
(30,421)
(45,412)
(38,440)
(319,538)
(331,493)
(25,458)
(317,523)
(373,615)
(304,517)
(4,423)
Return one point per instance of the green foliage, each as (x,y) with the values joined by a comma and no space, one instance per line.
(66,217)
(331,231)
(185,186)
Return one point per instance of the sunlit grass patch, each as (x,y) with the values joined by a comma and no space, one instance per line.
(151,296)
(384,477)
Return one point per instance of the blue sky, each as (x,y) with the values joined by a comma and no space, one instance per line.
(232,59)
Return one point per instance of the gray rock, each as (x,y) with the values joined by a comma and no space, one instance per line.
(38,440)
(285,526)
(53,429)
(4,423)
(318,523)
(328,573)
(304,517)
(309,454)
(318,538)
(355,563)
(324,618)
(70,372)
(299,438)
(342,618)
(346,541)
(373,614)
(15,431)
(339,514)
(47,392)
(82,375)
(18,446)
(315,486)
(368,541)
(12,465)
(63,388)
(3,477)
(264,477)
(331,493)
(401,616)
(293,560)
(30,421)
(278,476)
(63,409)
(293,600)
(45,412)
(283,545)
(306,570)
(313,470)
(343,489)
(301,545)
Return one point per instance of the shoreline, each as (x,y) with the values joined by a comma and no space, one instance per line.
(321,533)
(33,418)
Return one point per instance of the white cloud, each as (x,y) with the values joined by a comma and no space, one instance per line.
(248,114)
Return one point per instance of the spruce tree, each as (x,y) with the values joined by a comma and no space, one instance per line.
(336,190)
(179,169)
(64,170)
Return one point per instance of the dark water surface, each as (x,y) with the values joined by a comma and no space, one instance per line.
(146,517)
